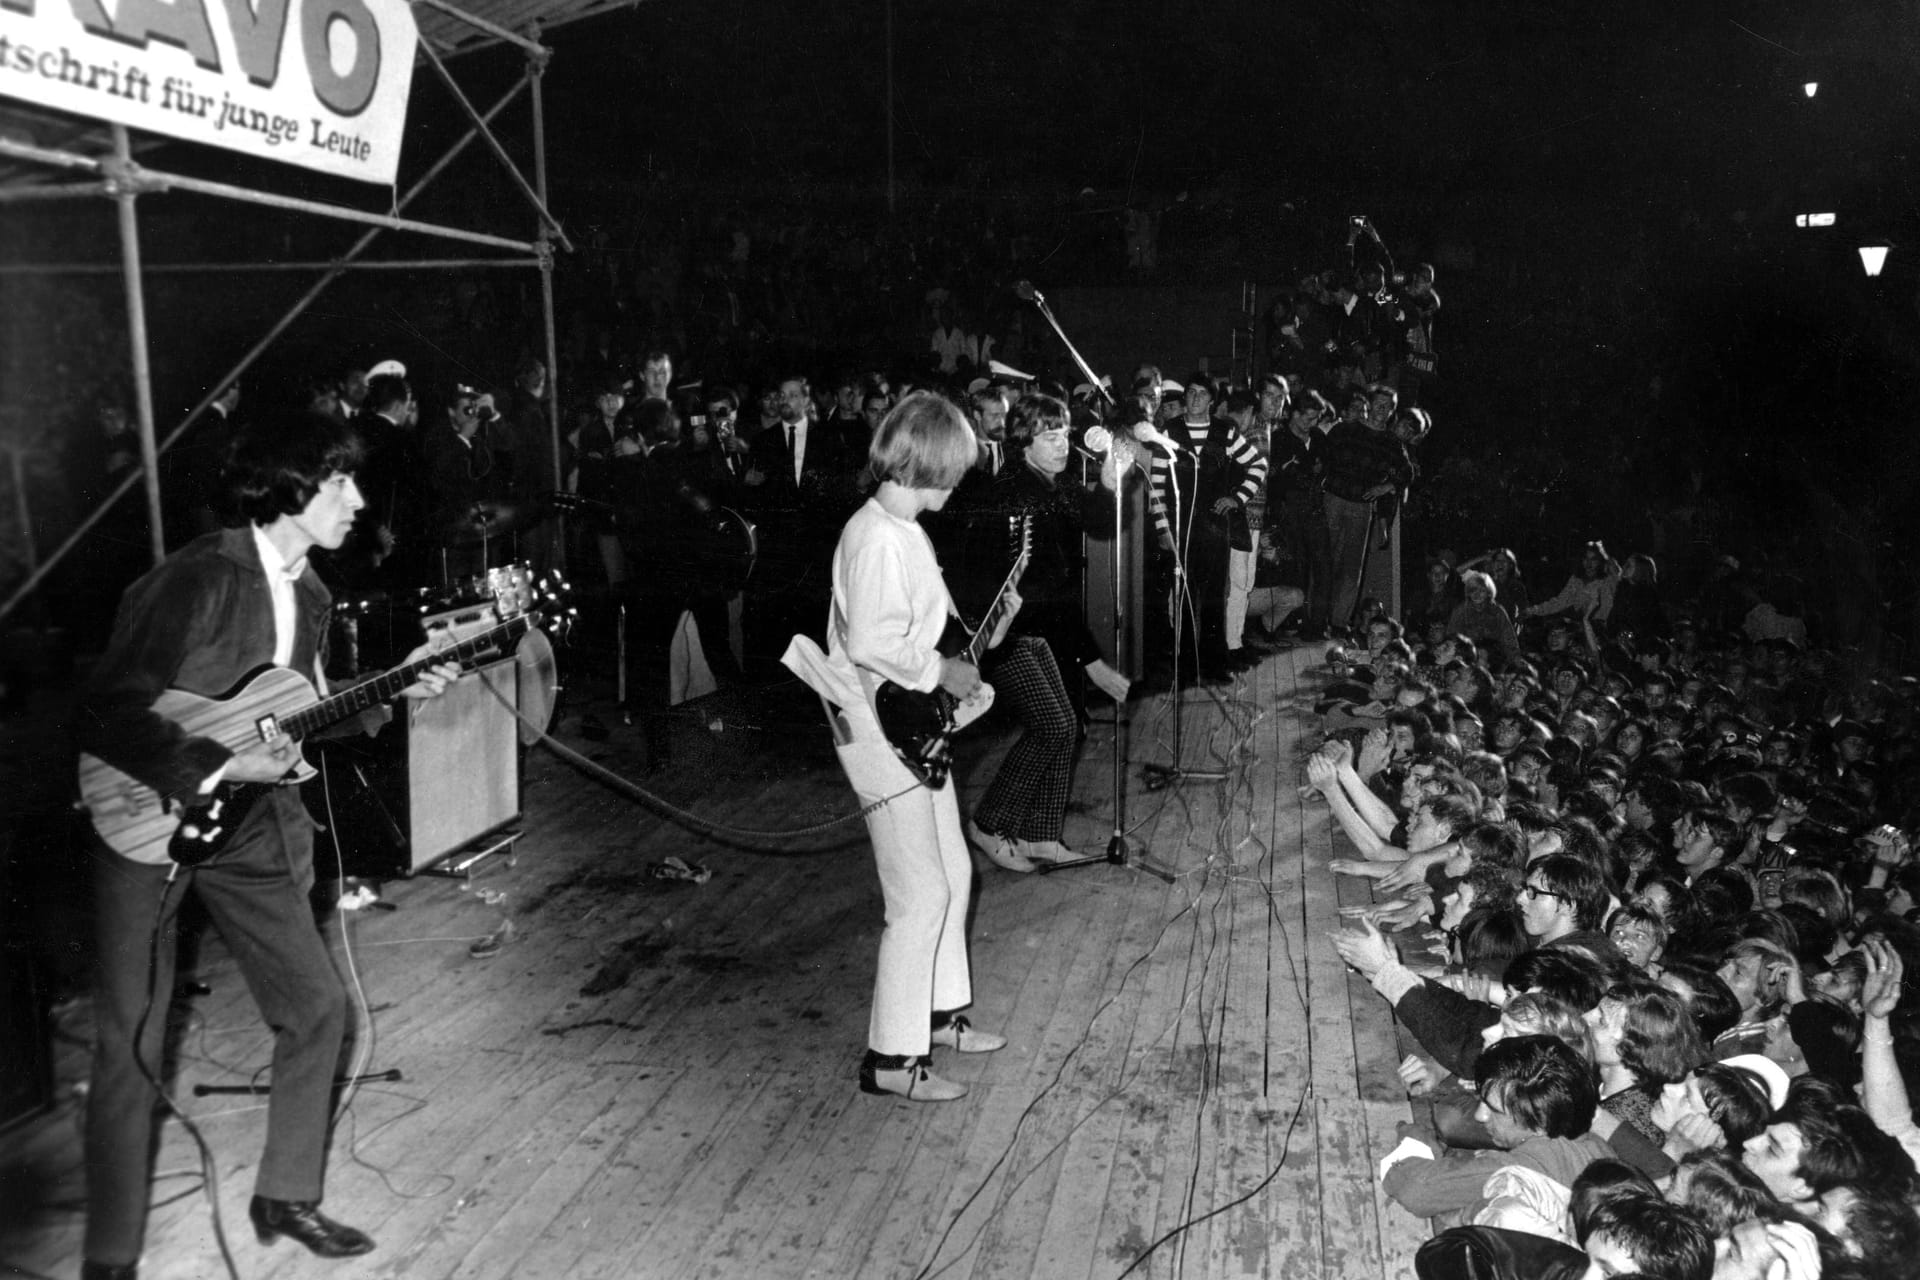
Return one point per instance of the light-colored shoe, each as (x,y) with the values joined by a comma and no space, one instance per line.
(908,1078)
(999,850)
(957,1032)
(1045,851)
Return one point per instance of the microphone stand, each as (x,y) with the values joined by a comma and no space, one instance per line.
(1119,852)
(1159,776)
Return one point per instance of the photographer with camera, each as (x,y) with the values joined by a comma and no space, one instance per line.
(464,504)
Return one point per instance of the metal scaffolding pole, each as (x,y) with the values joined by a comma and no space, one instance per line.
(536,69)
(56,191)
(246,361)
(154,178)
(549,225)
(124,196)
(209,268)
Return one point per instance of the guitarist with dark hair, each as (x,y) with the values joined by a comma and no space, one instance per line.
(221,607)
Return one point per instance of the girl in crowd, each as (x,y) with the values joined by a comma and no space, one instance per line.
(1482,620)
(1589,589)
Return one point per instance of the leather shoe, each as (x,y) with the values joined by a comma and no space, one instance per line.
(906,1077)
(955,1031)
(107,1271)
(999,850)
(302,1220)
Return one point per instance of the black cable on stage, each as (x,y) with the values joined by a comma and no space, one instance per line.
(634,791)
(1243,758)
(209,1174)
(1059,1074)
(1279,1163)
(1286,1144)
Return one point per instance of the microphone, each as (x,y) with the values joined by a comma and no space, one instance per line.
(1098,443)
(1027,292)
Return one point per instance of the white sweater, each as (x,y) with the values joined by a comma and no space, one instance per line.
(890,606)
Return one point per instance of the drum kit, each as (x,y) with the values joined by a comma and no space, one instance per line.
(374,630)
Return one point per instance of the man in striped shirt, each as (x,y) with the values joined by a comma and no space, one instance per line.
(1206,485)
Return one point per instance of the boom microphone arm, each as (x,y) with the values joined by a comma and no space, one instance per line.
(1026,290)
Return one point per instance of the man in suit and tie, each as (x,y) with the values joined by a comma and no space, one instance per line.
(788,453)
(990,407)
(790,464)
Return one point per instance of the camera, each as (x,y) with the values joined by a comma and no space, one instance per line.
(1358,220)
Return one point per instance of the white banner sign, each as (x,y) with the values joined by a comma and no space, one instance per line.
(318,83)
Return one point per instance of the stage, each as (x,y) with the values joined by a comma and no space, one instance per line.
(655,1077)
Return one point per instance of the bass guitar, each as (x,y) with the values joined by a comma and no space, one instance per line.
(920,726)
(271,704)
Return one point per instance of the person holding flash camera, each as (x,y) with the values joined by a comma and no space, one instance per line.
(460,471)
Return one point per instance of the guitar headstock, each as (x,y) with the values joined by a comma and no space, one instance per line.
(1021,527)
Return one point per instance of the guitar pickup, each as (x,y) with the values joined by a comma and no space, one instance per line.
(268,727)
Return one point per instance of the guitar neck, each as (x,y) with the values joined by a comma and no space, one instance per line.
(978,644)
(384,688)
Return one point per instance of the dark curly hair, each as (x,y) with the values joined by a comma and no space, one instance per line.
(275,471)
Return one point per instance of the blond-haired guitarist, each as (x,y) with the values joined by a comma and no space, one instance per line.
(224,606)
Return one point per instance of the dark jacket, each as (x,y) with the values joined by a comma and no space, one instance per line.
(201,621)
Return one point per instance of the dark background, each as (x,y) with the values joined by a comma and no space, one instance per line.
(1637,342)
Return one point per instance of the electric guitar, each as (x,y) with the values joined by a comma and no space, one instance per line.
(920,726)
(269,704)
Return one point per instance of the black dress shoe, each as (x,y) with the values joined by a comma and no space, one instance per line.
(106,1271)
(302,1220)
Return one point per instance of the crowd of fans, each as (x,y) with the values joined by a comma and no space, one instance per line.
(1661,848)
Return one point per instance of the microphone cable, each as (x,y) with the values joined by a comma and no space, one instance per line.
(209,1171)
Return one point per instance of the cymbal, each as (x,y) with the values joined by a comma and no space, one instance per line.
(488,520)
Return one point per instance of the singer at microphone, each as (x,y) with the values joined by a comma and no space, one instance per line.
(1040,484)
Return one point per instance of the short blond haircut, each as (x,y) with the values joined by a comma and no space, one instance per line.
(924,442)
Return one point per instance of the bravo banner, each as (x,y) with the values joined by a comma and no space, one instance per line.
(318,83)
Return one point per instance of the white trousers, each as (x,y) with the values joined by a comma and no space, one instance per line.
(1240,566)
(925,879)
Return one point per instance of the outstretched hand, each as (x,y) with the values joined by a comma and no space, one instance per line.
(1880,993)
(1375,753)
(1364,947)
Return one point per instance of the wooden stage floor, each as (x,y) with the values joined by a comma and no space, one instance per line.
(655,1078)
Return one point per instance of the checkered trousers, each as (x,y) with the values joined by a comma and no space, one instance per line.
(1027,799)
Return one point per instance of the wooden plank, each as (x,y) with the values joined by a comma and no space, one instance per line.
(697,1115)
(555,1204)
(791,1173)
